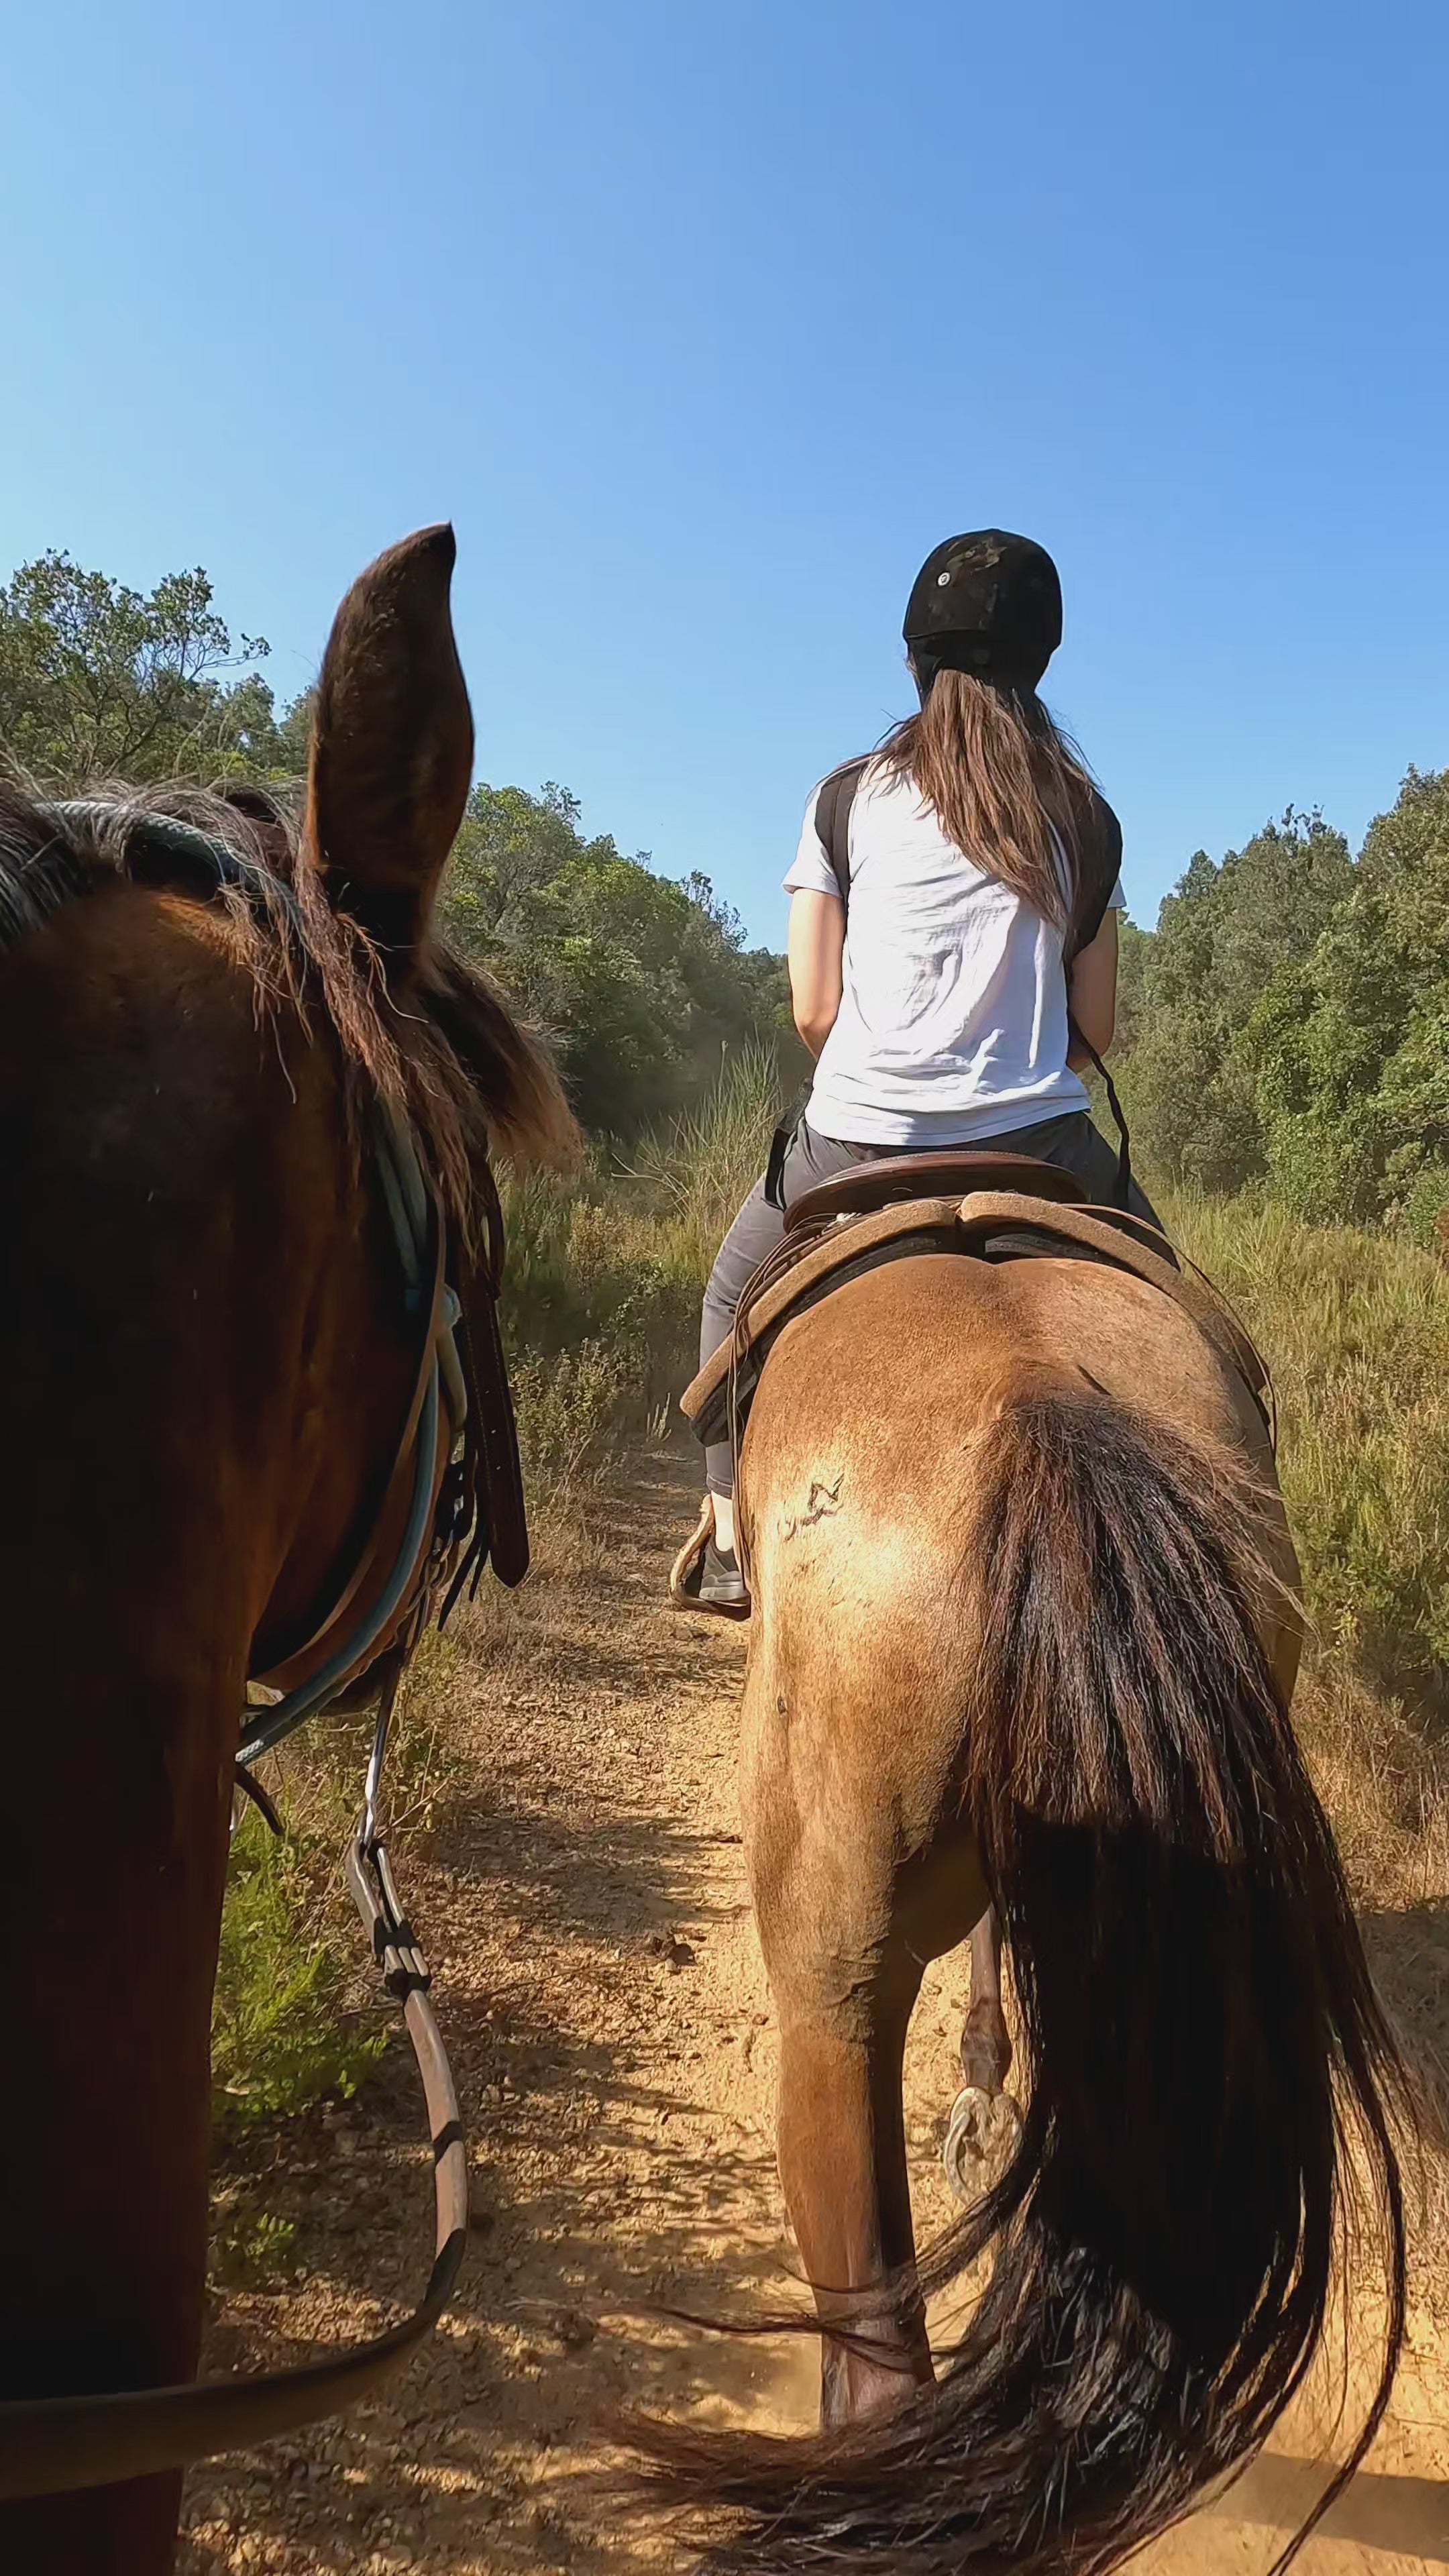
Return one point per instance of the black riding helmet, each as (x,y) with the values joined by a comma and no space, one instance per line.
(987,603)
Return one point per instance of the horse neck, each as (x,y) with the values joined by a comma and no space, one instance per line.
(191,1276)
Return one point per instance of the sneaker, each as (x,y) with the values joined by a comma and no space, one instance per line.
(721,1584)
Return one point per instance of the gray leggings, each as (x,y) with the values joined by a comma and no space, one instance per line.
(1072,1141)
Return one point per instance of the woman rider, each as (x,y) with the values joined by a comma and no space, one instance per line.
(983,900)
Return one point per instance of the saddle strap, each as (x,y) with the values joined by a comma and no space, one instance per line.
(971,1226)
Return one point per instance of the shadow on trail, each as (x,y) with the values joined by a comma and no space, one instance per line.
(456,2463)
(650,1877)
(544,2338)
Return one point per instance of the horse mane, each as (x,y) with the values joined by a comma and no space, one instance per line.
(445,1050)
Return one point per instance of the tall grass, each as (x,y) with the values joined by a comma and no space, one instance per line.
(605,1271)
(1355,1327)
(695,1173)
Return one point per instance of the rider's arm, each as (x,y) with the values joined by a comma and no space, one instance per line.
(1092,992)
(816,954)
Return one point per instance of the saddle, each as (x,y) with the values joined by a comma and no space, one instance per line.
(978,1206)
(902,1177)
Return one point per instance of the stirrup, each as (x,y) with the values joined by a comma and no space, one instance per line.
(686,1573)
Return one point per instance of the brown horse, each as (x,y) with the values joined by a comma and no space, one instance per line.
(1025,1635)
(205,1369)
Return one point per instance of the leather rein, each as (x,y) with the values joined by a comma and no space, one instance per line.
(457,1462)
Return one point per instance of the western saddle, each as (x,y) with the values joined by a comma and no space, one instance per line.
(984,1206)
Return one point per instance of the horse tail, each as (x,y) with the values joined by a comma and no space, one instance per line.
(1213,2090)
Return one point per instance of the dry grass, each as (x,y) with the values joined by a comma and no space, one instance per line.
(1356,1329)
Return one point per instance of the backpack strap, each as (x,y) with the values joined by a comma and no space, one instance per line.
(832,820)
(1101,865)
(1100,862)
(832,830)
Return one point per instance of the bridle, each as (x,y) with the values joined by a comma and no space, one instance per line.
(457,1460)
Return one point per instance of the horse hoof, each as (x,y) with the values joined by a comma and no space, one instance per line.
(981,2139)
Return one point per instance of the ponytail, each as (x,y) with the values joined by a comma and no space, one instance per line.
(1010,790)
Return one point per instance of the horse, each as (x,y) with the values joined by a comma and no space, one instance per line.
(206,1365)
(1025,1633)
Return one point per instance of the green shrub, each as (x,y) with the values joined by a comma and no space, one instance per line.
(281,2036)
(286,2028)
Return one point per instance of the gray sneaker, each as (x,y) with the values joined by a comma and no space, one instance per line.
(721,1584)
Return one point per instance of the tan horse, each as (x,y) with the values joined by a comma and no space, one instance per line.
(207,1363)
(1025,1631)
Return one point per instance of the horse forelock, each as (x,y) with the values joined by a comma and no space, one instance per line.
(447,1051)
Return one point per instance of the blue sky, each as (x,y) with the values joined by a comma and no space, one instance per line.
(703,324)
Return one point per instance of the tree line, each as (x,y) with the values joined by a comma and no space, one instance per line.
(1284,1028)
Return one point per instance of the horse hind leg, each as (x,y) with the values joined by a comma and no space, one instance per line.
(842,2154)
(985,2123)
(985,2039)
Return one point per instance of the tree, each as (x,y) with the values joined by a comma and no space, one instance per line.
(1350,1043)
(1223,936)
(98,681)
(639,981)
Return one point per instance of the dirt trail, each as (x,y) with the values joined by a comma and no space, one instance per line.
(582,1898)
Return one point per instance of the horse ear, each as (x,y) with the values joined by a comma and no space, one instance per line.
(392,745)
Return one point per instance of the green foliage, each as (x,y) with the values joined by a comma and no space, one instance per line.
(604,1273)
(598,1318)
(98,681)
(571,1407)
(251,2247)
(1287,1024)
(1190,989)
(287,2024)
(640,982)
(1350,1045)
(281,2036)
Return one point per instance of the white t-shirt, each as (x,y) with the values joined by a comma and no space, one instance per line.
(953,1019)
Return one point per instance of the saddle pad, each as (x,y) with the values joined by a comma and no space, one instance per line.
(989,1224)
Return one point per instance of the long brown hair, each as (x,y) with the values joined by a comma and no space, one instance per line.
(1002,776)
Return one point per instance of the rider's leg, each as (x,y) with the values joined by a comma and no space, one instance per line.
(756,1232)
(752,1237)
